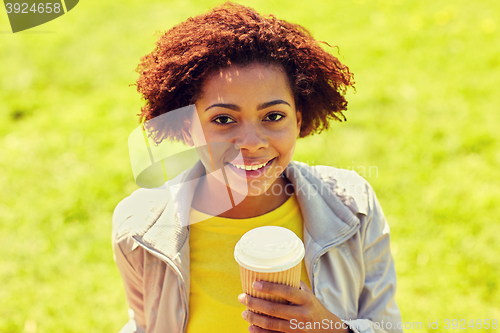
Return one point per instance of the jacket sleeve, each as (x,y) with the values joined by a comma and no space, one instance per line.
(377,310)
(130,264)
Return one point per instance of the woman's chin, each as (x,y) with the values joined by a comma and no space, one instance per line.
(256,193)
(241,187)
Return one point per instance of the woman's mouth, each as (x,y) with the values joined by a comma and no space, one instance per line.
(250,171)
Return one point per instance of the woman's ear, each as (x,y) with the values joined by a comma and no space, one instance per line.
(299,120)
(186,133)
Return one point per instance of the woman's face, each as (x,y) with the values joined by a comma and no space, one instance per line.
(252,108)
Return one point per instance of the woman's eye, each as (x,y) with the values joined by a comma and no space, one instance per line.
(223,120)
(274,116)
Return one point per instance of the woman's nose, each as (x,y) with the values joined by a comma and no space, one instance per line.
(251,138)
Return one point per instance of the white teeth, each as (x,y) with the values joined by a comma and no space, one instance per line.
(249,167)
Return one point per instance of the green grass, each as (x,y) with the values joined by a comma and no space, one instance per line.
(424,115)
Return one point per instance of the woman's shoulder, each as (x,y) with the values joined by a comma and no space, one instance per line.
(351,188)
(133,212)
(326,171)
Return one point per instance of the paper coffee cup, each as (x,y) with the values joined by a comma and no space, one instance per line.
(272,254)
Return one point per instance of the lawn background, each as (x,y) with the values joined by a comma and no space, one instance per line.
(424,118)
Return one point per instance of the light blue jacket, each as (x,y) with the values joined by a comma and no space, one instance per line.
(346,236)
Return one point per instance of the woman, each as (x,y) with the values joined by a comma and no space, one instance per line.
(254,85)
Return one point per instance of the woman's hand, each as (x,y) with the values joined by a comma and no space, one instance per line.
(306,314)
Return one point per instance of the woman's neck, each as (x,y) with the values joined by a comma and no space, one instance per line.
(211,198)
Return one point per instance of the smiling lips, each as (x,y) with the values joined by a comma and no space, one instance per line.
(252,167)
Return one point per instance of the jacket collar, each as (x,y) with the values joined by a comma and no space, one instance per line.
(327,220)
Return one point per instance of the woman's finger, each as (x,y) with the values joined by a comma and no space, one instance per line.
(304,286)
(293,295)
(265,323)
(284,311)
(256,329)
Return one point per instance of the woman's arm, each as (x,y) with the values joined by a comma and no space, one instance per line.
(132,281)
(130,264)
(377,310)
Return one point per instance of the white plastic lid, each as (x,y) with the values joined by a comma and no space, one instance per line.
(269,249)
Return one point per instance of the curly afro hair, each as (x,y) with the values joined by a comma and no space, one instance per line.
(172,75)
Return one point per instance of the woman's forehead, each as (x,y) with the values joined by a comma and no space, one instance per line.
(251,78)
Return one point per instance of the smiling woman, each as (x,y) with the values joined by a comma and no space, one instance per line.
(257,84)
(252,107)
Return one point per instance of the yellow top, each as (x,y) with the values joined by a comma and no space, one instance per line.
(215,276)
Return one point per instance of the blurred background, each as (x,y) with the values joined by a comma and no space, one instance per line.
(422,129)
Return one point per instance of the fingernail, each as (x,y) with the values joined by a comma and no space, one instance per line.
(244,314)
(241,298)
(257,285)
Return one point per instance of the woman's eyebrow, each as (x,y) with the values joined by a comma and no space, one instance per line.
(268,104)
(235,107)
